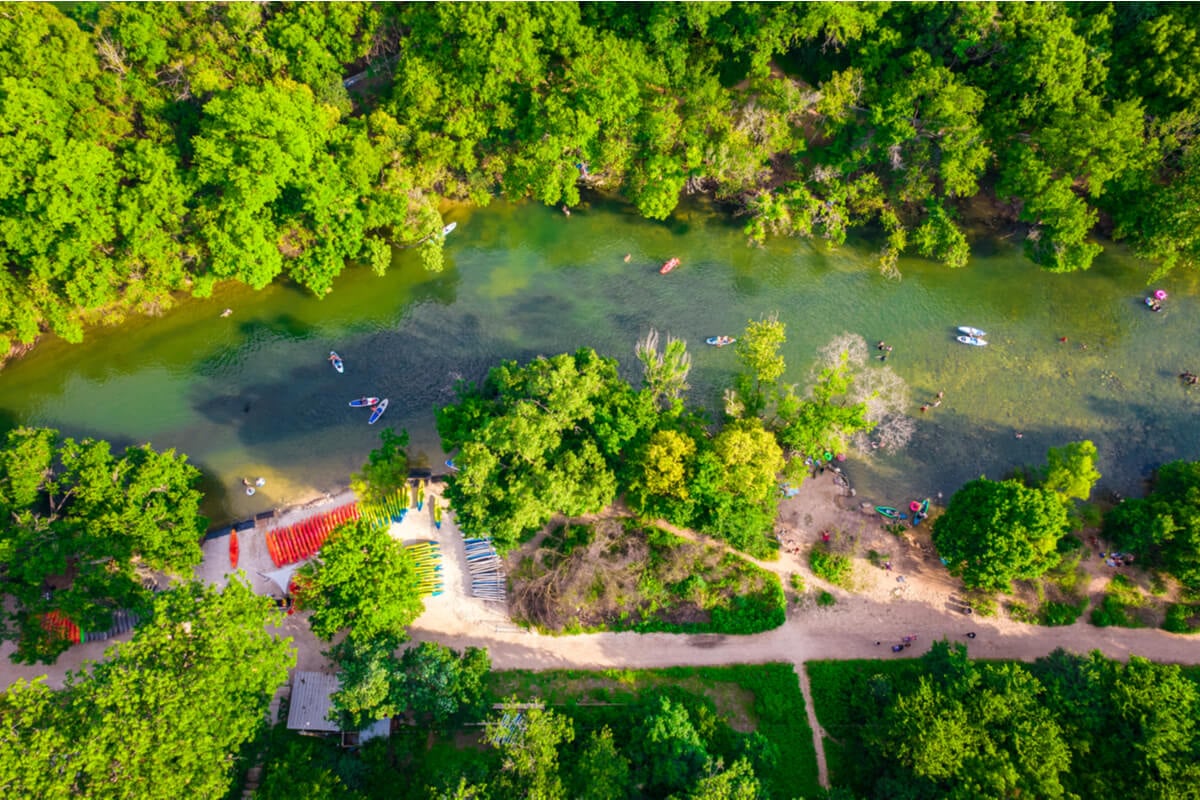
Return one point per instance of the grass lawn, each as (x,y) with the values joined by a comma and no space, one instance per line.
(749,697)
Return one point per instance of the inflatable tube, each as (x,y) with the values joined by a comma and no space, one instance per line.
(250,490)
(828,456)
(914,506)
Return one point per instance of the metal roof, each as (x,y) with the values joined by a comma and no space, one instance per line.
(310,705)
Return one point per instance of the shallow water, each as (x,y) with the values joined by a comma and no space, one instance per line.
(252,394)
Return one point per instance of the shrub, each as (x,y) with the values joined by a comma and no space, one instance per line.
(826,599)
(832,567)
(1182,618)
(1053,614)
(1112,612)
(1021,613)
(797,581)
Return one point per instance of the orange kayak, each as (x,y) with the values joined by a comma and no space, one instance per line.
(670,265)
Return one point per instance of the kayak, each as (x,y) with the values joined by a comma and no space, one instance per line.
(337,361)
(449,228)
(720,341)
(233,549)
(378,411)
(969,331)
(890,512)
(667,267)
(972,340)
(364,402)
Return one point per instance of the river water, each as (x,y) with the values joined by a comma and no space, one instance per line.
(253,395)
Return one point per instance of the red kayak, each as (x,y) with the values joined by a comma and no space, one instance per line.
(233,549)
(670,265)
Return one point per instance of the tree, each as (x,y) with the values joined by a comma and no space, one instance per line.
(661,469)
(672,751)
(602,772)
(1071,470)
(758,351)
(972,731)
(437,683)
(825,422)
(71,508)
(529,753)
(995,532)
(363,580)
(736,783)
(386,470)
(665,373)
(1165,525)
(538,440)
(164,715)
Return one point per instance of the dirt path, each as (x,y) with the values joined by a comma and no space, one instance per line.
(818,732)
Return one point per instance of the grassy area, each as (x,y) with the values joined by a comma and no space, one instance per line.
(761,697)
(836,689)
(616,576)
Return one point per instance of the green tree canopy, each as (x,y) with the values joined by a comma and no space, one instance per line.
(1165,526)
(164,715)
(538,440)
(1071,470)
(72,511)
(363,580)
(386,470)
(994,532)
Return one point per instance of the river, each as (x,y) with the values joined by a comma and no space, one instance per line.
(253,395)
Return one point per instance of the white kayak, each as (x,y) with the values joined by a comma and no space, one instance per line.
(449,228)
(378,412)
(973,332)
(972,340)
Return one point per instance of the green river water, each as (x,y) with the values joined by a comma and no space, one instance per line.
(253,395)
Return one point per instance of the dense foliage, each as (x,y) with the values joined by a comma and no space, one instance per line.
(151,148)
(363,580)
(1065,726)
(652,734)
(1165,525)
(386,470)
(994,532)
(163,716)
(432,682)
(77,523)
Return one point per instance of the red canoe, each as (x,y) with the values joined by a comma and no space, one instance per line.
(233,549)
(670,265)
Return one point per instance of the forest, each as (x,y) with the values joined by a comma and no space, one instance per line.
(148,150)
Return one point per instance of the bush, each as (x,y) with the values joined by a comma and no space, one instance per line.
(832,567)
(1112,612)
(1182,618)
(825,599)
(1053,614)
(1021,613)
(797,581)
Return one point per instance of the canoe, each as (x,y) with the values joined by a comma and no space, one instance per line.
(233,550)
(720,341)
(364,402)
(972,340)
(969,331)
(449,228)
(890,512)
(667,267)
(337,361)
(378,411)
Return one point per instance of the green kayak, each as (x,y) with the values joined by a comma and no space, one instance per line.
(890,512)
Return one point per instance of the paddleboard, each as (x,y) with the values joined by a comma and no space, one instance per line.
(378,412)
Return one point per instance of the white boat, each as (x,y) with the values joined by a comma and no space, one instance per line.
(973,332)
(972,340)
(449,228)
